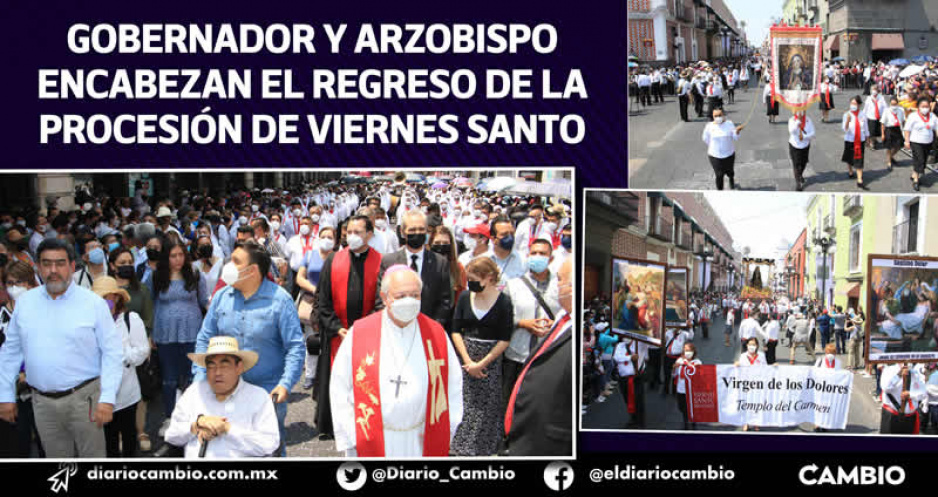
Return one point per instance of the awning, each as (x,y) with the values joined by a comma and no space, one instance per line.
(854,291)
(831,42)
(888,41)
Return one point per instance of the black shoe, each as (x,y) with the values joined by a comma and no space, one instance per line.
(326,437)
(915,186)
(861,186)
(799,186)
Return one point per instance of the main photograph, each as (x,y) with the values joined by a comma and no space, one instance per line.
(286,313)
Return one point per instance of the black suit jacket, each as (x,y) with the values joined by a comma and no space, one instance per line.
(435,299)
(542,424)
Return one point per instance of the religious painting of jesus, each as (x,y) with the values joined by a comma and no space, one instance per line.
(676,306)
(638,289)
(902,294)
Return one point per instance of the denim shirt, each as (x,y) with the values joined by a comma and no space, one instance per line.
(266,323)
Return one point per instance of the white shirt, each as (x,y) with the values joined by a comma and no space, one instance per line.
(744,360)
(254,429)
(891,383)
(513,266)
(420,256)
(894,116)
(769,330)
(920,131)
(794,128)
(683,87)
(403,416)
(679,372)
(822,363)
(527,232)
(720,139)
(872,103)
(748,329)
(677,344)
(644,80)
(136,350)
(299,245)
(466,257)
(623,356)
(850,121)
(526,306)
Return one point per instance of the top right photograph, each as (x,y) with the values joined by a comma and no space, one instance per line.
(789,95)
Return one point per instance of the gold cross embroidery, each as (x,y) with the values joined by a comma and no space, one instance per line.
(437,388)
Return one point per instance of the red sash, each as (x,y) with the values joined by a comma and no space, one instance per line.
(366,359)
(876,104)
(752,360)
(341,265)
(857,145)
(828,95)
(556,237)
(307,244)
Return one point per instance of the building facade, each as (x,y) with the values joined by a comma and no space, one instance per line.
(669,32)
(881,30)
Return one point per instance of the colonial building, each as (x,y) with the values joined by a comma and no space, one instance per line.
(877,30)
(679,31)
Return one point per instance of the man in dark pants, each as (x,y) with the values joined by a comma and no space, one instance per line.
(629,358)
(683,94)
(697,89)
(656,86)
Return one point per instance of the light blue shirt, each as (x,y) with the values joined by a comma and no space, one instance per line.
(64,341)
(266,323)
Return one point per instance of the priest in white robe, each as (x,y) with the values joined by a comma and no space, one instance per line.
(380,402)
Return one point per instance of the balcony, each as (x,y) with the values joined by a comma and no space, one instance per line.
(853,205)
(662,230)
(827,225)
(905,237)
(684,240)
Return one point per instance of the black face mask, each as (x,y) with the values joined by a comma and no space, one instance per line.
(153,254)
(416,240)
(21,244)
(476,287)
(442,249)
(204,251)
(126,272)
(4,260)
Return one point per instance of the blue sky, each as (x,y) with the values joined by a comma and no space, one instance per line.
(758,15)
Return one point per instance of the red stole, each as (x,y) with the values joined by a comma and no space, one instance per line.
(341,266)
(366,359)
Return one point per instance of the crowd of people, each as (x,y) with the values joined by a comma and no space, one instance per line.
(218,306)
(833,335)
(893,108)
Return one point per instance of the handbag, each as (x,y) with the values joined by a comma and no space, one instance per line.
(148,373)
(305,304)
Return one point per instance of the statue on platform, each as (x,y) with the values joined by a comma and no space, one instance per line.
(756,279)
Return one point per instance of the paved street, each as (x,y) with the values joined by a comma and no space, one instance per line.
(666,153)
(661,412)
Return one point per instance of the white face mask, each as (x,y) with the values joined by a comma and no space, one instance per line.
(470,243)
(243,220)
(16,291)
(304,229)
(274,226)
(853,108)
(255,208)
(381,224)
(551,226)
(752,349)
(688,355)
(315,218)
(405,309)
(297,213)
(355,242)
(326,244)
(230,274)
(830,357)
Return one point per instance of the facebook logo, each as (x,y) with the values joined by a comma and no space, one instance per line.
(558,476)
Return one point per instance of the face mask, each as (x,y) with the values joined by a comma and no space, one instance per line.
(688,355)
(830,357)
(538,263)
(719,120)
(6,225)
(304,230)
(243,220)
(96,256)
(551,226)
(853,108)
(153,254)
(405,309)
(230,274)
(255,208)
(110,305)
(381,224)
(21,222)
(112,246)
(752,349)
(205,251)
(326,244)
(262,240)
(126,272)
(16,291)
(470,243)
(476,286)
(506,243)
(355,242)
(417,240)
(21,244)
(566,241)
(274,226)
(315,218)
(297,213)
(874,92)
(476,213)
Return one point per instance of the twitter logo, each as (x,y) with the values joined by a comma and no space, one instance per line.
(351,476)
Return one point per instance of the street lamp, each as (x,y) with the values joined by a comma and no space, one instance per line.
(825,245)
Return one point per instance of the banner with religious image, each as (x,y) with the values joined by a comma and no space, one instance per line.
(676,306)
(638,299)
(902,298)
(796,65)
(769,396)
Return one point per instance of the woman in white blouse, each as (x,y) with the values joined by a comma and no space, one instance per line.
(683,367)
(856,132)
(752,357)
(893,120)
(720,137)
(801,132)
(919,134)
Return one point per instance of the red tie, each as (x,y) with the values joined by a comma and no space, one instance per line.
(876,104)
(857,146)
(509,413)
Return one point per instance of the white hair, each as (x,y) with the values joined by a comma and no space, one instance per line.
(399,268)
(413,214)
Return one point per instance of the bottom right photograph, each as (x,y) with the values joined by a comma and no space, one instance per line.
(759,312)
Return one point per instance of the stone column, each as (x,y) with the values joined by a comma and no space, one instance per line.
(61,185)
(278,180)
(248,180)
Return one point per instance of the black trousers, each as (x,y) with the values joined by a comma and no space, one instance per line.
(120,435)
(682,102)
(656,91)
(653,367)
(799,161)
(638,417)
(668,367)
(724,167)
(645,92)
(770,351)
(698,105)
(510,372)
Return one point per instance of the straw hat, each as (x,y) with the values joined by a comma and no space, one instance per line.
(225,345)
(107,285)
(164,212)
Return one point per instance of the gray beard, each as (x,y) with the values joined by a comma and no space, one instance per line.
(56,287)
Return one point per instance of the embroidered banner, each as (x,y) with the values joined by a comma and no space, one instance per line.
(796,65)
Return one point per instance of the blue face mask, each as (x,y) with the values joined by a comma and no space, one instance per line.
(538,263)
(507,243)
(566,241)
(96,256)
(112,246)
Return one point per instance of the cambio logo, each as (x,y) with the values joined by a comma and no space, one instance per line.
(857,475)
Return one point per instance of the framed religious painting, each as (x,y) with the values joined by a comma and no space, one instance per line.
(676,310)
(638,293)
(796,65)
(902,298)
